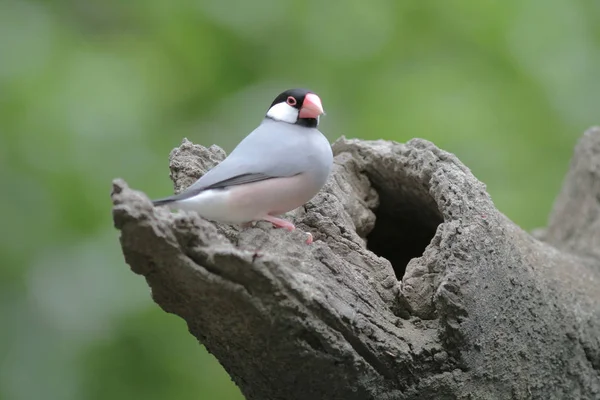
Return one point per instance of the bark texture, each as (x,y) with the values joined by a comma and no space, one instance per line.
(416,287)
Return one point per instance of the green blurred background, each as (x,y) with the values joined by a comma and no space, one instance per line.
(91,90)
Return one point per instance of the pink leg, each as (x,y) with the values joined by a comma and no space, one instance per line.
(280,223)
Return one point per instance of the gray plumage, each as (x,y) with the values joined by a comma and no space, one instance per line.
(273,150)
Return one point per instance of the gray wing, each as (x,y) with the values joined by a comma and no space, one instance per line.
(273,150)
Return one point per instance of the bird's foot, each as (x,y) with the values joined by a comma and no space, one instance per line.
(282,223)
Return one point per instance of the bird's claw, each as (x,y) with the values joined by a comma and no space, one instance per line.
(309,239)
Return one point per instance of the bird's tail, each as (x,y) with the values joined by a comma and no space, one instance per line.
(162,202)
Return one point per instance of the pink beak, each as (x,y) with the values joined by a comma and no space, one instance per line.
(311,106)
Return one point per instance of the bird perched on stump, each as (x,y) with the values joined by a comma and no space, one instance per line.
(277,168)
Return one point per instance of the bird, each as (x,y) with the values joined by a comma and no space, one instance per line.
(278,167)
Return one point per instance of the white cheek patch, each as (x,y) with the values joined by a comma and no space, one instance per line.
(283,112)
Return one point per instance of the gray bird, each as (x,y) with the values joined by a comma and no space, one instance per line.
(277,168)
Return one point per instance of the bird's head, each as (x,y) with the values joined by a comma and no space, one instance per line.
(296,106)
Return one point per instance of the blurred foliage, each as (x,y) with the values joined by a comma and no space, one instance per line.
(92,90)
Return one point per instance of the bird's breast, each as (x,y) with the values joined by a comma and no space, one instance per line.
(274,196)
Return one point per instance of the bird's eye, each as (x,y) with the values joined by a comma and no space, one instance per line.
(291,101)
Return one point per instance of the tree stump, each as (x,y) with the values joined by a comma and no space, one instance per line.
(416,286)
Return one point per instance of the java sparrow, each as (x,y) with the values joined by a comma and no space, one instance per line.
(278,167)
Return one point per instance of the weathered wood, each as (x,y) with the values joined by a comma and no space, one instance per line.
(416,287)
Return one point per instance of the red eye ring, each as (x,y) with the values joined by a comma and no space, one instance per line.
(291,101)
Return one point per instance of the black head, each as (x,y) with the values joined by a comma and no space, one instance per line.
(296,106)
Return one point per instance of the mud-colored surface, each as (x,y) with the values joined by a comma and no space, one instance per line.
(416,286)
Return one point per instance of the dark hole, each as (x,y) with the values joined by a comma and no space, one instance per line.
(406,222)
